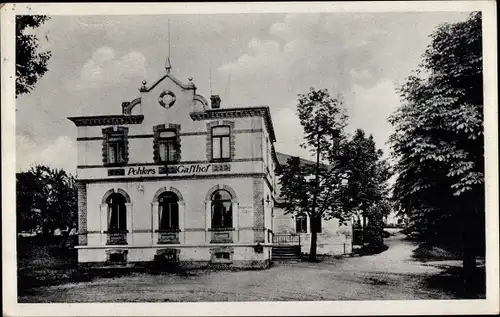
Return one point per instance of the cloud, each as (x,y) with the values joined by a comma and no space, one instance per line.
(370,109)
(58,153)
(105,69)
(289,132)
(361,56)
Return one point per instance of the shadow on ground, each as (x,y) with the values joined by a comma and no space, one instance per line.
(451,281)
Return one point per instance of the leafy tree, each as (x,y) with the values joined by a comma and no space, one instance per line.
(439,144)
(30,64)
(46,199)
(314,189)
(367,191)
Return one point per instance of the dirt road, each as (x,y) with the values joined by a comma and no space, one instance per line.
(391,275)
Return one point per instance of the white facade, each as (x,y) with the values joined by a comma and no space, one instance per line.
(216,192)
(335,238)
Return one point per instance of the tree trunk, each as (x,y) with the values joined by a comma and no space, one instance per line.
(312,251)
(363,231)
(468,253)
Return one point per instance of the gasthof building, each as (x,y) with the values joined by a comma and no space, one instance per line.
(173,174)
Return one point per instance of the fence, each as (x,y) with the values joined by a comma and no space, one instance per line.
(286,239)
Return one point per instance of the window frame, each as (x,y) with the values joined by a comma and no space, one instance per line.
(159,140)
(303,226)
(220,138)
(165,141)
(161,205)
(117,138)
(220,203)
(121,211)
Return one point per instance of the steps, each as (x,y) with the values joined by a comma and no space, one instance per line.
(286,253)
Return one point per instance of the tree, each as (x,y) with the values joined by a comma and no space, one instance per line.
(367,191)
(314,189)
(46,199)
(30,64)
(438,142)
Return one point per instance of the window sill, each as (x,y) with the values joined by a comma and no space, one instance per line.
(116,232)
(115,164)
(167,230)
(167,162)
(224,160)
(222,241)
(217,261)
(221,229)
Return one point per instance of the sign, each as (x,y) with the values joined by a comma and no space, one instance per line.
(169,169)
(188,169)
(141,171)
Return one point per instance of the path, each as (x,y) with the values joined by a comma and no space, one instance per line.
(390,275)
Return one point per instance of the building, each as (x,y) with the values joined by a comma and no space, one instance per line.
(333,238)
(174,175)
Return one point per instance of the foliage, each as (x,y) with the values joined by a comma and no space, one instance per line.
(367,191)
(46,198)
(438,142)
(314,188)
(348,175)
(30,64)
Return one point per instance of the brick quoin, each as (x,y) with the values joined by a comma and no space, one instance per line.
(82,213)
(258,210)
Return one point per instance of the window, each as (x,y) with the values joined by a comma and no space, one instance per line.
(115,149)
(117,258)
(169,211)
(301,223)
(166,143)
(117,213)
(222,255)
(222,213)
(220,143)
(168,146)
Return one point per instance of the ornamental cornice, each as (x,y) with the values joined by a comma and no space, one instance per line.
(107,120)
(237,113)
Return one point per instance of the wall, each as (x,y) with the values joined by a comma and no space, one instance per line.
(334,238)
(142,216)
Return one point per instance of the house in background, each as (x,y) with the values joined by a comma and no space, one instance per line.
(334,238)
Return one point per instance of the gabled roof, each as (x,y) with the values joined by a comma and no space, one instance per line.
(283,158)
(190,85)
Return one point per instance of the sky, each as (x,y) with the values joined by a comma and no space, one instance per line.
(253,60)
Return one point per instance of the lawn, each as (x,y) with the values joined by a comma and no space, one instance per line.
(44,261)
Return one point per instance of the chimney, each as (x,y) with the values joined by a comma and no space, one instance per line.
(215,101)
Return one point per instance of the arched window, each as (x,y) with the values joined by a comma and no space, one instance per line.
(117,213)
(168,211)
(222,210)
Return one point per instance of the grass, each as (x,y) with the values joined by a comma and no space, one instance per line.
(44,261)
(432,253)
(451,281)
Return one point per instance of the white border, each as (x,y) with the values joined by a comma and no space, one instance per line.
(424,307)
